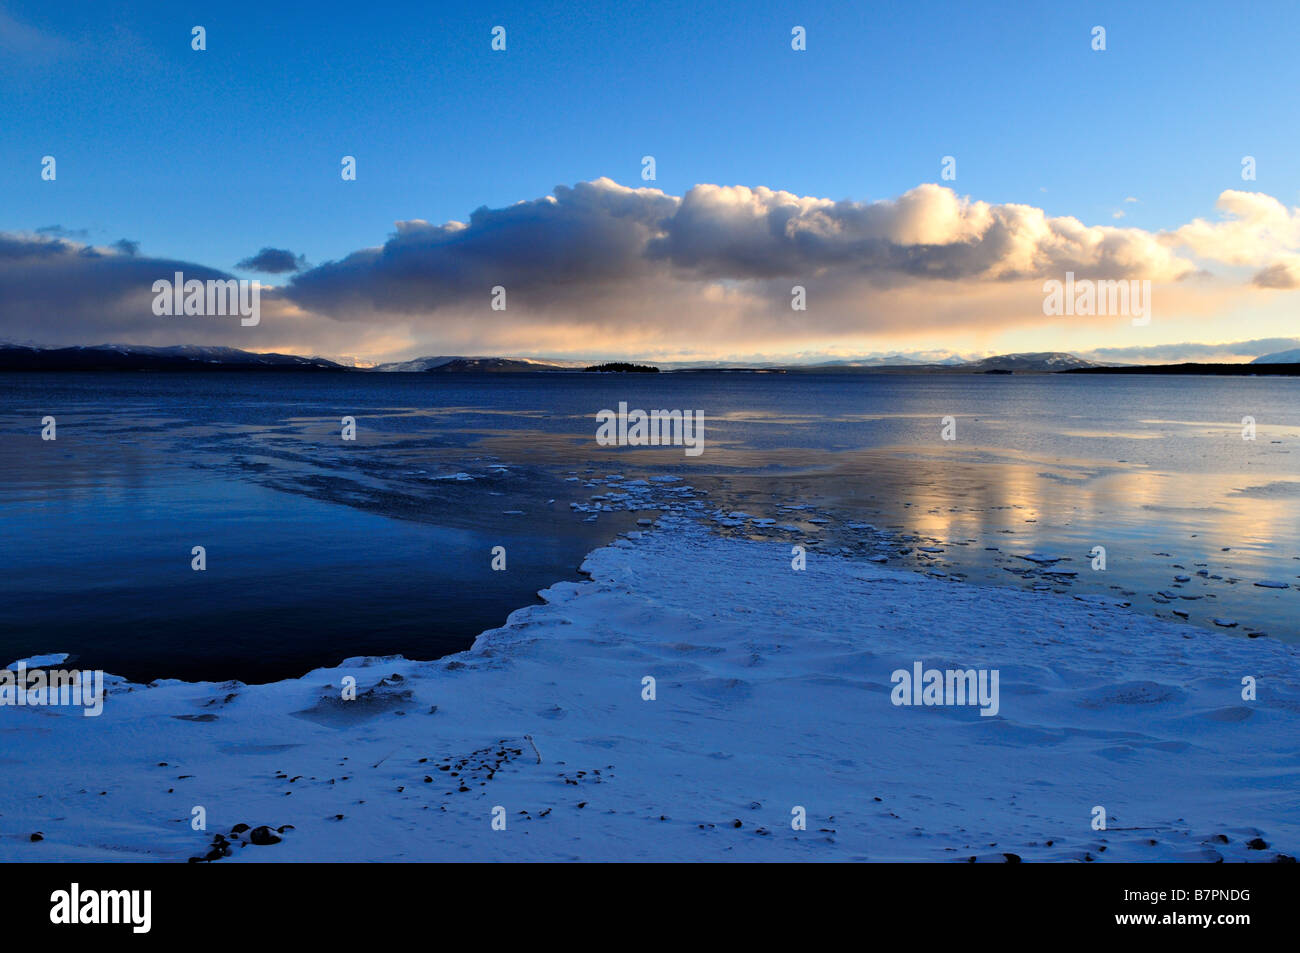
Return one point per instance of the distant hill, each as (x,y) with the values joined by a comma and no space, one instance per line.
(1040,362)
(138,357)
(492,365)
(893,360)
(1281,357)
(483,365)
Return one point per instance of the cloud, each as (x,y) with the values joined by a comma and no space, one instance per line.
(273,261)
(58,231)
(58,292)
(927,233)
(1282,275)
(1256,230)
(603,269)
(556,248)
(597,243)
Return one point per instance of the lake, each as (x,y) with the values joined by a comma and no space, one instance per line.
(319,548)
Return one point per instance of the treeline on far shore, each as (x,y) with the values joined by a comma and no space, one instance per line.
(620,367)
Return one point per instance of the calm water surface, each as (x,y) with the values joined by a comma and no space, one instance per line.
(319,549)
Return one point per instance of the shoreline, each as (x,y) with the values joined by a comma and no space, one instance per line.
(772,692)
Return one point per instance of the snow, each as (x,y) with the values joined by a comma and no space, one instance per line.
(39,661)
(772,692)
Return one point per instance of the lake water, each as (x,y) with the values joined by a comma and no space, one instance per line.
(319,548)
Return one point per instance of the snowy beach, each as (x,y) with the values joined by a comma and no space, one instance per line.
(772,699)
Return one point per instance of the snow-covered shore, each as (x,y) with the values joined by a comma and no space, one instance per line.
(772,693)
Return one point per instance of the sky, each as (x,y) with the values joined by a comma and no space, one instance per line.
(821,168)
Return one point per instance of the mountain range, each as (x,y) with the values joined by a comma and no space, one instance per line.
(138,357)
(105,357)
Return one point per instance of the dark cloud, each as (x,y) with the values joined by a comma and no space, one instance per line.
(582,244)
(577,241)
(58,231)
(1282,275)
(273,261)
(57,292)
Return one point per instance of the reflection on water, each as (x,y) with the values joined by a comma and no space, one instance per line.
(321,549)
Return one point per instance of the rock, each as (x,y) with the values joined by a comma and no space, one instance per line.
(38,836)
(1257,843)
(263,836)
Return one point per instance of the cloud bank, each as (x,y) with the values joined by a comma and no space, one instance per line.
(602,268)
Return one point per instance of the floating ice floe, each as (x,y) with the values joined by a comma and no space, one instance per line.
(39,661)
(1041,558)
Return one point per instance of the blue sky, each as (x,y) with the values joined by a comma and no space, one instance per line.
(209,156)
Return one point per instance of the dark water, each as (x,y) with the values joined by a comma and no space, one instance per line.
(318,549)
